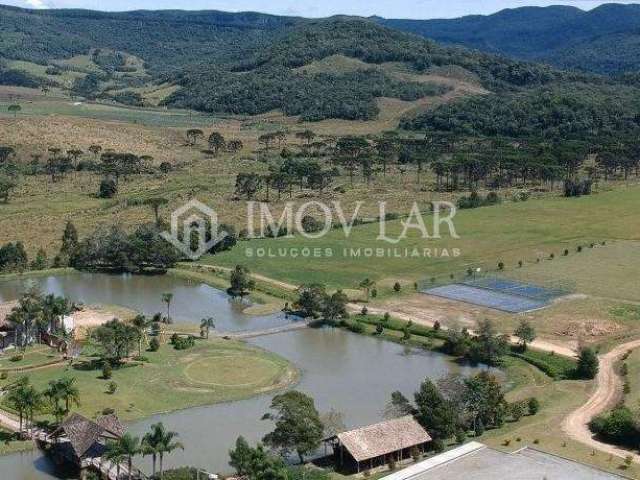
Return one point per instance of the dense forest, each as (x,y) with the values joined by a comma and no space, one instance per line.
(568,110)
(604,40)
(247,63)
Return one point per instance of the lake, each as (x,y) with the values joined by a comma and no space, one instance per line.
(350,373)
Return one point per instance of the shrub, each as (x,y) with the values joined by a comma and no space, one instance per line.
(588,364)
(4,375)
(397,287)
(386,317)
(16,358)
(112,388)
(618,426)
(154,345)
(566,252)
(517,410)
(579,249)
(374,293)
(364,311)
(500,265)
(438,445)
(436,325)
(379,329)
(461,436)
(108,411)
(534,405)
(107,370)
(108,189)
(182,343)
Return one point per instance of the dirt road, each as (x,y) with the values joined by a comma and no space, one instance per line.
(418,317)
(607,393)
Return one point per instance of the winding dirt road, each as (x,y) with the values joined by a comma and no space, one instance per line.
(607,393)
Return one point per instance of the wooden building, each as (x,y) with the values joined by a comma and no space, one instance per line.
(78,438)
(375,445)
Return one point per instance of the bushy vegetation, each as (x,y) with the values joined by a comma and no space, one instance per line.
(566,110)
(618,426)
(182,342)
(314,97)
(114,249)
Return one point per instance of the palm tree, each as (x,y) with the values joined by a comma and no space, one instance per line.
(207,324)
(113,453)
(129,447)
(151,443)
(25,399)
(69,392)
(54,394)
(167,298)
(141,323)
(166,443)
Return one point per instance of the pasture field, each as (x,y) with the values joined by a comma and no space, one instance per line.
(604,271)
(211,372)
(508,233)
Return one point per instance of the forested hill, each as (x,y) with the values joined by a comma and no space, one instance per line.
(243,63)
(166,40)
(604,40)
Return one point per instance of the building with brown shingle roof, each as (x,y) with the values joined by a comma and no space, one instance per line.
(377,444)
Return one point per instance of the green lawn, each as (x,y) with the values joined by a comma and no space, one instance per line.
(506,233)
(33,356)
(211,372)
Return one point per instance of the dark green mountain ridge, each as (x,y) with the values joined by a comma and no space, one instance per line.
(603,40)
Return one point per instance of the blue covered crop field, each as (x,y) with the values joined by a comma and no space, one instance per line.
(499,294)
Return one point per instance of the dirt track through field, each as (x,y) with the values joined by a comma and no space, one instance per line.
(607,393)
(417,317)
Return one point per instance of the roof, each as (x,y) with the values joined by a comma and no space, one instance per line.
(383,438)
(111,424)
(475,461)
(5,310)
(84,433)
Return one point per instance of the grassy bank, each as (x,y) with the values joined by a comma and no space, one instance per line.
(211,372)
(265,298)
(9,444)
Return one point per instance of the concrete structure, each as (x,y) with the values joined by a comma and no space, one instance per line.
(475,461)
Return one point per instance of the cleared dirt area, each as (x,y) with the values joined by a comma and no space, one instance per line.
(606,395)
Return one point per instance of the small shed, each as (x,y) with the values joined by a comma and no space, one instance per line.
(377,444)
